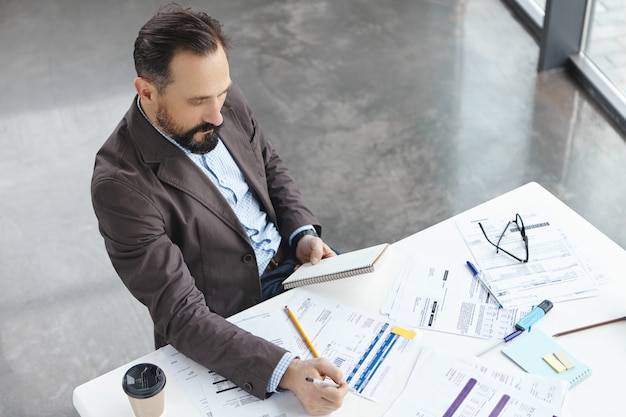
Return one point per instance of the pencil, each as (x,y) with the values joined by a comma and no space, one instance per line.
(306,339)
(591,326)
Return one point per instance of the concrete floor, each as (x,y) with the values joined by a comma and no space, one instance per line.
(391,118)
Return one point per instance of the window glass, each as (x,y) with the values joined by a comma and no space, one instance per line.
(605,42)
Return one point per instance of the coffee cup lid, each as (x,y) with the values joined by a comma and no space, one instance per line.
(143,380)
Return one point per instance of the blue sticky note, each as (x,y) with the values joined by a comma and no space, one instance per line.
(528,351)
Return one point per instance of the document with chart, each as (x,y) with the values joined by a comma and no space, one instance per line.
(215,396)
(368,350)
(451,384)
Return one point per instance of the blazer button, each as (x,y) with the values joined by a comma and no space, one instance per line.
(247,258)
(247,386)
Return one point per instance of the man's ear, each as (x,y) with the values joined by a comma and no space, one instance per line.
(145,89)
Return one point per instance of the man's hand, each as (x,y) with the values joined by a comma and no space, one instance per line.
(317,400)
(313,249)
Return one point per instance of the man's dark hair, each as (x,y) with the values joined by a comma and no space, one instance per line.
(173,29)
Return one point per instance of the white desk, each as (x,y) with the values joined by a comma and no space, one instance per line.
(602,348)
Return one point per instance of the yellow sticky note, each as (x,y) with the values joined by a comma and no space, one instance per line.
(409,334)
(554,363)
(564,359)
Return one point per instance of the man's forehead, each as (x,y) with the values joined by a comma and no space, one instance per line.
(200,76)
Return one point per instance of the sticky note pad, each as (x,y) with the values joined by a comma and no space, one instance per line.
(409,334)
(530,349)
(564,359)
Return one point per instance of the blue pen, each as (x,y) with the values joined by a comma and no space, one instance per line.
(535,314)
(479,277)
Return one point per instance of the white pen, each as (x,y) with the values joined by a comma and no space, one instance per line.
(322,382)
(506,339)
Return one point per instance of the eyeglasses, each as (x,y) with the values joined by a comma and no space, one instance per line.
(520,227)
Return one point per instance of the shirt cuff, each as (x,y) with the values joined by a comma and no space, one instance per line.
(298,230)
(279,371)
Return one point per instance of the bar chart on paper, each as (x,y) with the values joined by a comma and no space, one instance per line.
(367,349)
(451,384)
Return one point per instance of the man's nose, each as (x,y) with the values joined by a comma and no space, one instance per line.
(213,113)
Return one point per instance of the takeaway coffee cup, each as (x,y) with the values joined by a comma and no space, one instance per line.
(144,383)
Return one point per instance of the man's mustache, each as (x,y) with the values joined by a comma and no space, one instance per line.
(206,127)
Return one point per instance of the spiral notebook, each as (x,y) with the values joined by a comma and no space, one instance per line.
(538,353)
(342,266)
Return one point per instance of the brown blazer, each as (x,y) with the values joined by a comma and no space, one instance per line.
(178,246)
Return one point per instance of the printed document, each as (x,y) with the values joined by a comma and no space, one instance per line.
(451,384)
(554,270)
(447,298)
(368,350)
(215,396)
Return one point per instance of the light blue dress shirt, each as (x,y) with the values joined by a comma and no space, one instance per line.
(220,167)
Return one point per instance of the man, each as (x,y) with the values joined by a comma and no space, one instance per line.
(199,215)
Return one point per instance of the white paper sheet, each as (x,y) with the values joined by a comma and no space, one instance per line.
(215,396)
(361,345)
(554,271)
(447,384)
(449,299)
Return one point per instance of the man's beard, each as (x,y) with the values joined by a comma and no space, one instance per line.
(185,138)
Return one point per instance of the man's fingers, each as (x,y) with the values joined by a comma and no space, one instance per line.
(317,250)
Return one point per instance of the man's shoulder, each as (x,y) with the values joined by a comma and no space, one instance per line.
(236,100)
(119,156)
(133,141)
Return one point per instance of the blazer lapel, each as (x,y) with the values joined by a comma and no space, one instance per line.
(252,167)
(179,171)
(176,169)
